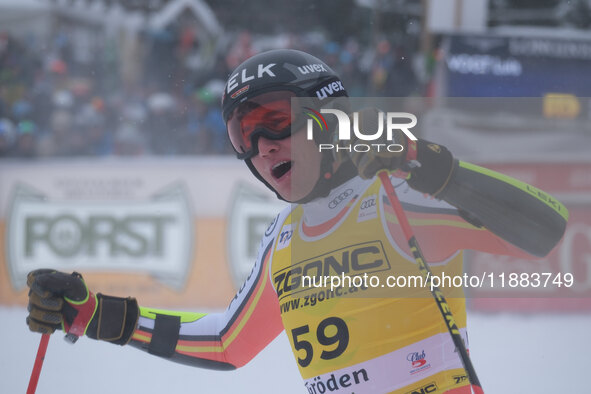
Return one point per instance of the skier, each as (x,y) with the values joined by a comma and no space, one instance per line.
(348,338)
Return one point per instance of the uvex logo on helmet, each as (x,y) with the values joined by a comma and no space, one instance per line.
(343,132)
(312,68)
(330,89)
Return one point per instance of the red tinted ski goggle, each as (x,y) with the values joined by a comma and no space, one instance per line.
(269,115)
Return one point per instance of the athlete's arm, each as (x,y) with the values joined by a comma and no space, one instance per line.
(516,212)
(221,341)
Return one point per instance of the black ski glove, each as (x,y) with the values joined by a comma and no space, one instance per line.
(382,153)
(60,300)
(426,166)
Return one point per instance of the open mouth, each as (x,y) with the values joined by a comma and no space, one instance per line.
(281,169)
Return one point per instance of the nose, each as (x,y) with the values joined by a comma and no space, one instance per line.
(267,146)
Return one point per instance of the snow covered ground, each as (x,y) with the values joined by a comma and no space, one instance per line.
(512,354)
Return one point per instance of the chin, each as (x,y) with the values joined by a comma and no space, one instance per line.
(288,197)
(292,193)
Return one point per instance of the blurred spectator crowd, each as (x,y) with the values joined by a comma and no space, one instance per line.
(52,106)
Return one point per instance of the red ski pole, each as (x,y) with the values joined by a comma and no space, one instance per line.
(435,291)
(38,364)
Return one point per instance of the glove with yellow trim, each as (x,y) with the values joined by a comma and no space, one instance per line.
(372,156)
(60,300)
(426,166)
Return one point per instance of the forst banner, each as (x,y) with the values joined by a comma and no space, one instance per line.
(147,228)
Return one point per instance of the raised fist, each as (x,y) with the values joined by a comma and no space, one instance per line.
(57,300)
(381,154)
(60,300)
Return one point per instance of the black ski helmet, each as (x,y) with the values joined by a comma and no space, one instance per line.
(285,69)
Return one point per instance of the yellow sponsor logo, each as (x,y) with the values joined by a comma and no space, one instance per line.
(367,257)
(557,105)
